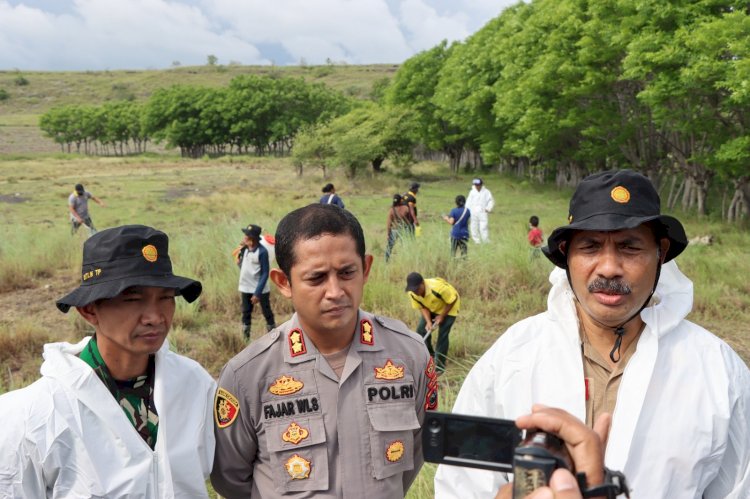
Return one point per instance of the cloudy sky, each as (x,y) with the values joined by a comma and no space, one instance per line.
(142,34)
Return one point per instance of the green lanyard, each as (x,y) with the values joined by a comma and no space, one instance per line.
(135,396)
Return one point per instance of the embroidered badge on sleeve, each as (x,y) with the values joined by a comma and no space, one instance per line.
(226,408)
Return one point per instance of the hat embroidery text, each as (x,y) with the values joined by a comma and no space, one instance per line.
(88,275)
(150,253)
(620,194)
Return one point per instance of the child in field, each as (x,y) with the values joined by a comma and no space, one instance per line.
(535,237)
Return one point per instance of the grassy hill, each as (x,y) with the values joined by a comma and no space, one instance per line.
(19,113)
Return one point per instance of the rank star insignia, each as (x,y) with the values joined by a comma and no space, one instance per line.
(296,343)
(365,333)
(395,451)
(294,434)
(226,408)
(389,371)
(286,385)
(298,467)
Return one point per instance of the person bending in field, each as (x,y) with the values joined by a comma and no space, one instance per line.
(116,414)
(78,206)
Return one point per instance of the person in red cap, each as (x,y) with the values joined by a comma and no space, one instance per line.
(117,414)
(615,339)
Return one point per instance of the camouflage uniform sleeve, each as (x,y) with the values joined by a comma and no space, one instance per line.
(236,441)
(425,379)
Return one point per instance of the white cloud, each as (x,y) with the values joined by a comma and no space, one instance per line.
(114,34)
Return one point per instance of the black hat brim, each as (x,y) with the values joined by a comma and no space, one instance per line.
(83,295)
(673,230)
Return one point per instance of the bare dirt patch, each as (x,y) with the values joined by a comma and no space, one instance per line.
(12,198)
(36,301)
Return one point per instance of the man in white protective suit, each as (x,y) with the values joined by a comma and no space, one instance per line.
(117,414)
(614,339)
(480,203)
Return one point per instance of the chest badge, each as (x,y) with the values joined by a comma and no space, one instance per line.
(365,333)
(296,343)
(226,408)
(298,467)
(294,434)
(389,371)
(286,385)
(395,451)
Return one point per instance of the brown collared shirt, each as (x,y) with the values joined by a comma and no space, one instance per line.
(602,382)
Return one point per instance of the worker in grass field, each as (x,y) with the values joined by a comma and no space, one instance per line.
(330,196)
(117,414)
(438,303)
(78,206)
(615,339)
(410,200)
(254,260)
(330,403)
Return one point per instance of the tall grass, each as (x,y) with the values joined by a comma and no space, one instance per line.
(202,206)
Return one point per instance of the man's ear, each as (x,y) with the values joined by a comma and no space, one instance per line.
(282,282)
(664,244)
(368,266)
(88,312)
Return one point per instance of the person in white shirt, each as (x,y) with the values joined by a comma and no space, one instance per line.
(615,339)
(480,203)
(117,414)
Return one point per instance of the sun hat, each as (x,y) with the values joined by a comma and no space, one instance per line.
(121,257)
(413,281)
(476,181)
(615,200)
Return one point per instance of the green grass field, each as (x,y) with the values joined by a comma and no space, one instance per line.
(202,205)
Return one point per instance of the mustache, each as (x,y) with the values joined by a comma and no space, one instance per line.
(611,286)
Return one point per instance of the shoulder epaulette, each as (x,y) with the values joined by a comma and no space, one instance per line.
(254,349)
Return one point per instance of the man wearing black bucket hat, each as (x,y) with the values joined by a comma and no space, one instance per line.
(614,339)
(117,414)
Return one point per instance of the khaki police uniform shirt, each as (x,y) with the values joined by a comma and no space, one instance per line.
(287,424)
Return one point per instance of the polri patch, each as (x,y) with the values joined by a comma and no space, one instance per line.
(226,408)
(366,336)
(395,451)
(298,467)
(294,434)
(286,385)
(389,371)
(296,343)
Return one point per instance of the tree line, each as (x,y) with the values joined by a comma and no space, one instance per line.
(254,114)
(560,88)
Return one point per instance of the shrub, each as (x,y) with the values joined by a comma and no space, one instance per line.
(21,81)
(4,95)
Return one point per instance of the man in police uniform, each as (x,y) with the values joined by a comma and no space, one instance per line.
(330,404)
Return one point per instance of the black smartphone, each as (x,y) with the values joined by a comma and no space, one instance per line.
(470,441)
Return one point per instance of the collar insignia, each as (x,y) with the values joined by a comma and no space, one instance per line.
(285,385)
(226,408)
(395,451)
(149,253)
(298,467)
(294,434)
(296,343)
(620,194)
(389,371)
(365,332)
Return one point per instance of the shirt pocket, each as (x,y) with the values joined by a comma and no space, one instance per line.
(299,454)
(392,428)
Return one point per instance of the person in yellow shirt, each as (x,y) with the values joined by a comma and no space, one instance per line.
(438,302)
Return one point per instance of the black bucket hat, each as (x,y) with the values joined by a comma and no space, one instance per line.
(615,200)
(118,258)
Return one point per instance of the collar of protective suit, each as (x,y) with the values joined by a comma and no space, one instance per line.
(672,301)
(62,364)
